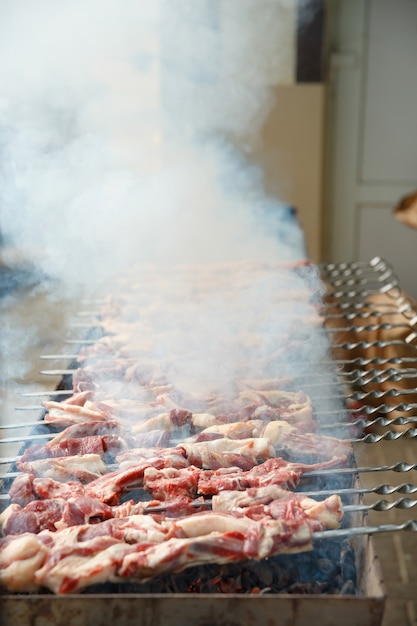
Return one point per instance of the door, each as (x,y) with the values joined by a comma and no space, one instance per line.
(371,133)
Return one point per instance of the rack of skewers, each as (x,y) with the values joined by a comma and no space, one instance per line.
(208,417)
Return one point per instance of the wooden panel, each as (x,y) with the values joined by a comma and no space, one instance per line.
(291,154)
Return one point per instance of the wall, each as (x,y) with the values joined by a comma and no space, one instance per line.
(292,156)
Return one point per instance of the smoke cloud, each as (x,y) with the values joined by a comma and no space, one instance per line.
(124,129)
(125,132)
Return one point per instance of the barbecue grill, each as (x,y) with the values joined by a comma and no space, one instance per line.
(371,367)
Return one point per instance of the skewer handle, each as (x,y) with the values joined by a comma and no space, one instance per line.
(382,505)
(410,526)
(389,435)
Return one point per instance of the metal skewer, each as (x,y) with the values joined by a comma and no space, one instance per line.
(24,438)
(81,341)
(379,505)
(362,362)
(368,276)
(358,361)
(32,407)
(389,435)
(359,423)
(383,489)
(355,376)
(355,293)
(365,345)
(69,357)
(385,408)
(375,263)
(410,321)
(365,377)
(53,392)
(400,466)
(411,526)
(350,317)
(371,327)
(371,410)
(58,372)
(18,425)
(378,421)
(337,279)
(376,394)
(358,305)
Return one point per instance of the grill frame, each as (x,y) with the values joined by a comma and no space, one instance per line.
(365,608)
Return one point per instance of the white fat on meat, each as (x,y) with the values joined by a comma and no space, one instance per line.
(236,430)
(274,431)
(327,513)
(85,468)
(134,528)
(102,554)
(255,449)
(237,501)
(257,541)
(160,422)
(270,541)
(203,420)
(174,420)
(74,572)
(320,515)
(65,414)
(142,528)
(164,421)
(177,554)
(209,522)
(275,398)
(131,409)
(10,511)
(20,559)
(129,458)
(252,428)
(88,429)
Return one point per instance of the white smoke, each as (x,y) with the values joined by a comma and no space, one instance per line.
(123,128)
(124,134)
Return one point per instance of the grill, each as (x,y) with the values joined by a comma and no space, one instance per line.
(370,368)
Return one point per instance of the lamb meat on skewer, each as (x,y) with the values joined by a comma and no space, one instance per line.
(162,473)
(85,468)
(283,437)
(53,514)
(164,483)
(139,547)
